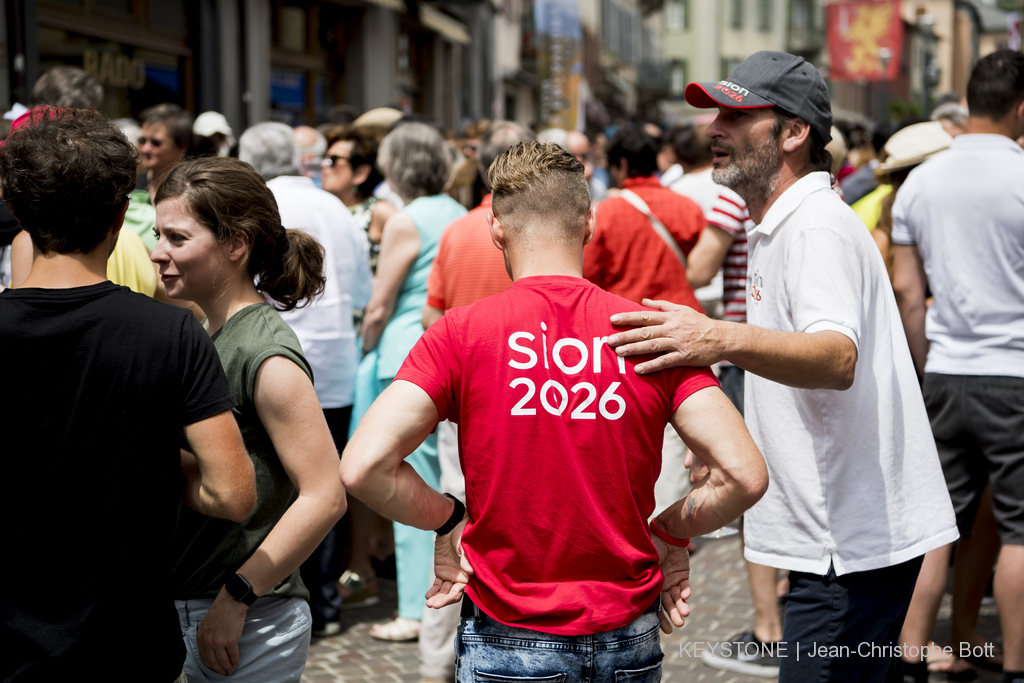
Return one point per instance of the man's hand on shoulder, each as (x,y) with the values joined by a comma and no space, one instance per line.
(675,591)
(680,334)
(451,569)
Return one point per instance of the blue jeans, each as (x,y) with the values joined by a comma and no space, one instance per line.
(491,652)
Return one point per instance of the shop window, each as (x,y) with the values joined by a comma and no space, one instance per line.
(288,95)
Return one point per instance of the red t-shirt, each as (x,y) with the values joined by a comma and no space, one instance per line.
(468,266)
(560,441)
(627,257)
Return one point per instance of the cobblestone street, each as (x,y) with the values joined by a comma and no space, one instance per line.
(720,608)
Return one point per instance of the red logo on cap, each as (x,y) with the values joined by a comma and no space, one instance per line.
(731,90)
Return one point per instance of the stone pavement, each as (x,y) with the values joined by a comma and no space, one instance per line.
(720,609)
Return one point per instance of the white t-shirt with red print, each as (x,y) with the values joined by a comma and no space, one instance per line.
(560,441)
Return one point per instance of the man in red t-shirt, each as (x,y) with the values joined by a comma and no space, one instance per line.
(560,443)
(628,256)
(468,267)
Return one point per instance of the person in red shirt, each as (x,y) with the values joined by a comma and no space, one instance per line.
(628,256)
(560,442)
(467,268)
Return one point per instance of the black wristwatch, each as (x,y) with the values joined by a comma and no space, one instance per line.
(457,514)
(241,590)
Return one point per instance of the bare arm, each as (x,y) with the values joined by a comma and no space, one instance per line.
(737,476)
(21,259)
(818,360)
(379,216)
(373,467)
(289,410)
(398,250)
(430,316)
(219,476)
(910,283)
(707,256)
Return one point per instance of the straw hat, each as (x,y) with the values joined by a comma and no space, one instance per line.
(910,146)
(381,117)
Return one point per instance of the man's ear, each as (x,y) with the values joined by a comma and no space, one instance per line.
(794,134)
(590,228)
(497,231)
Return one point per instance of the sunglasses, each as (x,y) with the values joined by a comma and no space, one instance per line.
(332,160)
(156,142)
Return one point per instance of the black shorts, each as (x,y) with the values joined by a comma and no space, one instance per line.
(978,424)
(844,629)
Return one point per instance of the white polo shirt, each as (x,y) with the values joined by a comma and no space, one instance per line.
(324,328)
(964,209)
(855,477)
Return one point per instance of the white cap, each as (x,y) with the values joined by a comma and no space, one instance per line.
(211,122)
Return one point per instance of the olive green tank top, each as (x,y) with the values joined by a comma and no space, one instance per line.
(209,550)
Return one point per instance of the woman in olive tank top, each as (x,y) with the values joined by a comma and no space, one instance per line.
(241,603)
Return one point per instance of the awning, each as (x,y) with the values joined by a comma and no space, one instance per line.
(450,28)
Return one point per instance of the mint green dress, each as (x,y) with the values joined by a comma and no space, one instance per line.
(414,548)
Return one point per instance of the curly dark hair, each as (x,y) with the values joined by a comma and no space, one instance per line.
(230,198)
(66,176)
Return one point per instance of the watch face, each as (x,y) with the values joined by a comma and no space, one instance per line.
(240,589)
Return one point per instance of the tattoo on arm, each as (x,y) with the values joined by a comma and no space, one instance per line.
(690,504)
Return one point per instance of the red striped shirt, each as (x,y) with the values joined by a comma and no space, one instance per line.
(729,213)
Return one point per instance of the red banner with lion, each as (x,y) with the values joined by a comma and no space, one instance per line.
(865,40)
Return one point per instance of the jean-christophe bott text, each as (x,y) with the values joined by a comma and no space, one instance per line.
(746,651)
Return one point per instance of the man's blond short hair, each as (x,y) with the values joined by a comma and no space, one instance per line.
(535,183)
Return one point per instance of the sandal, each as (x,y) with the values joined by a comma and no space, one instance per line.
(952,667)
(357,590)
(399,630)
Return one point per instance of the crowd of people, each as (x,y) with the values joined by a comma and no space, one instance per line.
(521,372)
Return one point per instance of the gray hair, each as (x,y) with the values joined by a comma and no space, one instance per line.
(498,138)
(67,86)
(270,148)
(952,111)
(413,159)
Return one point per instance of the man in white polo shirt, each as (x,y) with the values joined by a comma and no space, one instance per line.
(831,397)
(958,227)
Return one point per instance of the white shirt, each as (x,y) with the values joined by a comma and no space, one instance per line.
(964,209)
(855,477)
(324,328)
(698,186)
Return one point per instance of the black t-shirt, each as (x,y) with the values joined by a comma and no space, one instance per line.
(95,385)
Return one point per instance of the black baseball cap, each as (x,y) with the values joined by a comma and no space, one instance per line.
(771,79)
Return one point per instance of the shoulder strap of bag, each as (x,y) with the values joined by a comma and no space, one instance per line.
(640,205)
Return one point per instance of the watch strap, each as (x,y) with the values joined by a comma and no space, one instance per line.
(457,514)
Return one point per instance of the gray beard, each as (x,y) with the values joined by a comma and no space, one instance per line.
(755,177)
